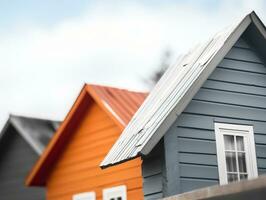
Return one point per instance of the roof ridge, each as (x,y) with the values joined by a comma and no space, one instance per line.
(107,102)
(11,115)
(116,88)
(173,92)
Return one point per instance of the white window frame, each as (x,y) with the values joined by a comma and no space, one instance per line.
(245,131)
(113,192)
(84,196)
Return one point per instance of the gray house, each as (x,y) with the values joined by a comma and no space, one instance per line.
(204,123)
(22,140)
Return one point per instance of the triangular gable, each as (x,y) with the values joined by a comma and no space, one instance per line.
(119,104)
(174,91)
(36,132)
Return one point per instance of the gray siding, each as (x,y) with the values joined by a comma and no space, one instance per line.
(16,160)
(153,173)
(234,93)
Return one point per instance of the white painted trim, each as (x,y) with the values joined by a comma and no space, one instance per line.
(258,23)
(251,159)
(114,192)
(109,108)
(84,196)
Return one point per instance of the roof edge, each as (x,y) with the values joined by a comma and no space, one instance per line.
(11,120)
(179,108)
(26,137)
(92,92)
(258,23)
(5,126)
(176,110)
(87,89)
(31,179)
(12,115)
(120,162)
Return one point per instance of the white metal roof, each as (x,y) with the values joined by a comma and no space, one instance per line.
(173,92)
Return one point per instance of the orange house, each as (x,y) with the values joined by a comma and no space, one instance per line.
(69,167)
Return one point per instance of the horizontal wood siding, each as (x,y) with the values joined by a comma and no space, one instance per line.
(152,173)
(77,169)
(234,93)
(16,160)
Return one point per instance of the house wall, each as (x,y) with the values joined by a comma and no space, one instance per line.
(77,169)
(153,173)
(234,93)
(16,160)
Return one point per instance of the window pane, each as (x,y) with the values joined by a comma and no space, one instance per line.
(240,143)
(243,176)
(242,162)
(232,177)
(229,142)
(231,161)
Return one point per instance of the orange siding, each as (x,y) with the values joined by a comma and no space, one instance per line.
(77,170)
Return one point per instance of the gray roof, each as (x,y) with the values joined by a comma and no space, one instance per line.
(36,132)
(173,92)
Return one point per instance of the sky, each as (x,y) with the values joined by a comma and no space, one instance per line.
(49,49)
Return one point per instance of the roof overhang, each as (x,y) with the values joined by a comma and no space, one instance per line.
(40,171)
(243,190)
(197,84)
(144,132)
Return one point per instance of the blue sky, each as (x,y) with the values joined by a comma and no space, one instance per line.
(50,12)
(47,12)
(49,49)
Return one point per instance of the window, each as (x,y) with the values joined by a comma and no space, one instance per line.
(115,193)
(85,196)
(235,152)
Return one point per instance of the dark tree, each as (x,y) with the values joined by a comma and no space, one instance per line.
(164,64)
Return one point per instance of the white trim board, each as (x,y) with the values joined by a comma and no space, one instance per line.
(84,196)
(115,192)
(247,133)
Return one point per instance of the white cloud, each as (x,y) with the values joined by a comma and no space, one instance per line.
(43,68)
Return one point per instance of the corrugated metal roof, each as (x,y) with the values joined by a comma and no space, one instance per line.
(172,93)
(119,104)
(37,132)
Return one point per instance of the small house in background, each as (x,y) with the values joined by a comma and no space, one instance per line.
(204,123)
(22,141)
(69,167)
